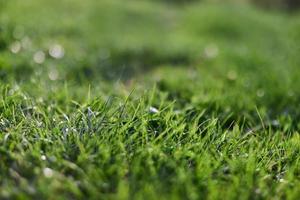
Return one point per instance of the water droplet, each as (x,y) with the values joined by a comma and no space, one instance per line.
(153,110)
(15,47)
(52,159)
(291,93)
(90,113)
(211,51)
(56,51)
(48,173)
(26,43)
(39,124)
(260,93)
(282,180)
(43,157)
(257,191)
(39,57)
(40,100)
(53,74)
(247,83)
(177,112)
(66,117)
(275,123)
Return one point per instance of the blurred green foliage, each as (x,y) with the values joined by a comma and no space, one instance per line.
(270,4)
(281,4)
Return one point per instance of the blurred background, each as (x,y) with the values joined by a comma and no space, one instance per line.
(235,54)
(278,4)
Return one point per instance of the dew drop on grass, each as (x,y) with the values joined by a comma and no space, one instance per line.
(260,93)
(48,173)
(43,157)
(40,100)
(66,117)
(90,113)
(291,93)
(257,191)
(153,110)
(39,124)
(26,43)
(282,180)
(52,159)
(177,112)
(53,74)
(211,51)
(247,83)
(6,137)
(56,51)
(275,123)
(13,90)
(30,189)
(15,47)
(39,57)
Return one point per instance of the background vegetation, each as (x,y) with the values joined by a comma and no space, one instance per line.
(148,99)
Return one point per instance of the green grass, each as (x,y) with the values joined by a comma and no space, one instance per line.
(149,100)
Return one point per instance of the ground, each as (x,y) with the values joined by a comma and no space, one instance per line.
(148,100)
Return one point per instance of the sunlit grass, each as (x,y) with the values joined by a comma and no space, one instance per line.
(148,100)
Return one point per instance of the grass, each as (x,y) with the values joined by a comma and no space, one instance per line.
(148,100)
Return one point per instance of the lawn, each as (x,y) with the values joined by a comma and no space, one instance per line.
(140,99)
